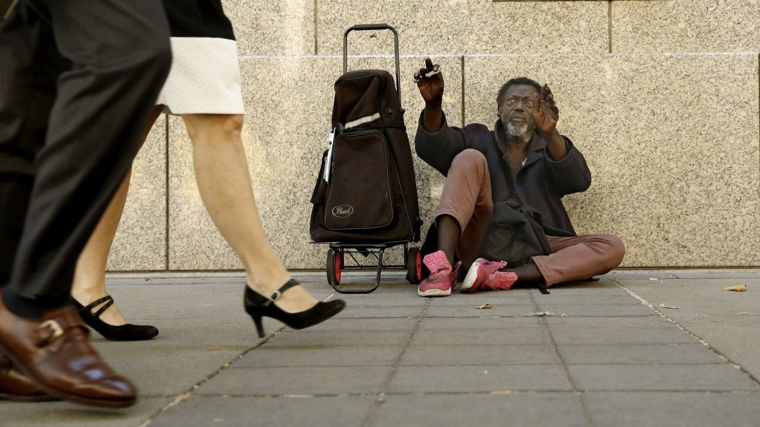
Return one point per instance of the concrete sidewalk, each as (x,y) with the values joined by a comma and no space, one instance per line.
(609,356)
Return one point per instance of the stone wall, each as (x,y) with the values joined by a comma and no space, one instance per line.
(662,97)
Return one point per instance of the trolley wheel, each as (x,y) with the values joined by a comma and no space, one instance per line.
(334,267)
(414,266)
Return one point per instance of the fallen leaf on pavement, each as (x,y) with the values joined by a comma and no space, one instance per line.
(564,315)
(485,306)
(672,307)
(540,314)
(212,348)
(737,288)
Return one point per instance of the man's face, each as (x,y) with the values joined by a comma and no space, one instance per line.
(516,112)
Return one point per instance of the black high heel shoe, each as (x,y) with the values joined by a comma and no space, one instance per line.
(126,332)
(258,306)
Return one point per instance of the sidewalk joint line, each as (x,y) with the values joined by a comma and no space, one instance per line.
(188,394)
(381,396)
(468,393)
(553,344)
(688,332)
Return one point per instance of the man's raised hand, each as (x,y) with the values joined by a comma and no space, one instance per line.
(546,114)
(431,88)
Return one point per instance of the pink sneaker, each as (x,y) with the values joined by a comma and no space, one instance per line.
(485,275)
(442,278)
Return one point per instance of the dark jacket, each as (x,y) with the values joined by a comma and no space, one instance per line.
(540,184)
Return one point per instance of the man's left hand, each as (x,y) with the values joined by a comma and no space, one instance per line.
(546,114)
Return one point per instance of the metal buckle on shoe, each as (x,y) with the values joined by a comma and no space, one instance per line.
(275,296)
(57,329)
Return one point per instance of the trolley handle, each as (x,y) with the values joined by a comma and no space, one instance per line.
(373,27)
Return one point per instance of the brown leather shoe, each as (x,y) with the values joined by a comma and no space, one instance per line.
(55,353)
(18,387)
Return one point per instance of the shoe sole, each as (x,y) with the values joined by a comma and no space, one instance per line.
(19,398)
(434,293)
(63,395)
(472,280)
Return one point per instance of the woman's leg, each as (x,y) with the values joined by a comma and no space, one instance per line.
(221,170)
(90,276)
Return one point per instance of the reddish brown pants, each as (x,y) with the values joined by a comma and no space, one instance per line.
(467,198)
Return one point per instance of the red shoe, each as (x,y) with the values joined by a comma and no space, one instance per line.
(442,278)
(485,275)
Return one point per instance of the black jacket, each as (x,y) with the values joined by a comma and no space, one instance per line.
(540,184)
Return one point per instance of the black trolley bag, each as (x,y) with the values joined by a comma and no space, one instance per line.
(365,198)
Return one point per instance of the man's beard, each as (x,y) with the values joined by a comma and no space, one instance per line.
(520,131)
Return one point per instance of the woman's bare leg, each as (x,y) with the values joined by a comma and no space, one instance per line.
(90,276)
(221,170)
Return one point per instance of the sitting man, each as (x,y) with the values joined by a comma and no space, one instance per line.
(524,161)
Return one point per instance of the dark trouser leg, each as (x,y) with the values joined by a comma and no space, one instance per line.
(467,199)
(27,93)
(120,57)
(580,257)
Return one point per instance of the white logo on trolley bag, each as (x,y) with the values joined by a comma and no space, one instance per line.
(343,211)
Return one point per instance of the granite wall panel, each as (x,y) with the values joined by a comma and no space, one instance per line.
(686,26)
(266,28)
(466,26)
(140,242)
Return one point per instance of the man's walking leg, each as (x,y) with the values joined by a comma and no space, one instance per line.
(120,56)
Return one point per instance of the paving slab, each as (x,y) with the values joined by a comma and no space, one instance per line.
(157,375)
(179,301)
(605,286)
(712,377)
(712,314)
(268,356)
(480,355)
(642,322)
(366,325)
(233,331)
(676,409)
(715,274)
(597,300)
(476,323)
(66,414)
(484,378)
(237,411)
(327,339)
(480,298)
(511,336)
(574,336)
(498,310)
(359,312)
(665,354)
(481,410)
(638,274)
(383,299)
(277,381)
(593,310)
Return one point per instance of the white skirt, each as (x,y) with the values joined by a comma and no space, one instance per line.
(204,77)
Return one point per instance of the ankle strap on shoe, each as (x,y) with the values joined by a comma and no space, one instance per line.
(278,293)
(108,299)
